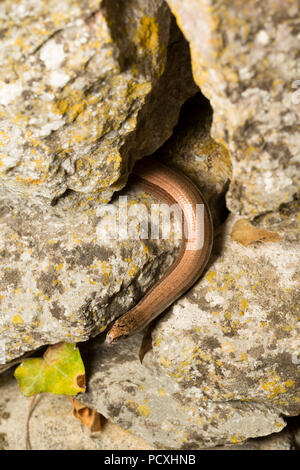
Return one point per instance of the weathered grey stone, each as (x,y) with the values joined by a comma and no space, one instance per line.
(224,365)
(193,151)
(52,426)
(85,90)
(245,60)
(64,279)
(283,440)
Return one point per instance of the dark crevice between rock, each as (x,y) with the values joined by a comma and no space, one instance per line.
(286,211)
(195,121)
(293,426)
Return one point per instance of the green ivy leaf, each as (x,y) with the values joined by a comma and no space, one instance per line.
(60,371)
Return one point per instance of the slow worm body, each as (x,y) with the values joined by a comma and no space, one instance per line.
(172,187)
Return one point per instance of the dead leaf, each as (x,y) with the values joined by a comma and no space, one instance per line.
(90,418)
(245,233)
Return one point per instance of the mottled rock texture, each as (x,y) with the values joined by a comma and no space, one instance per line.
(224,365)
(245,58)
(52,424)
(53,427)
(86,88)
(63,278)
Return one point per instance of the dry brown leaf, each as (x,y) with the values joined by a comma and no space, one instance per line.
(245,233)
(90,418)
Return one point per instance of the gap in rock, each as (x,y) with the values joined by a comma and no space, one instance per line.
(192,134)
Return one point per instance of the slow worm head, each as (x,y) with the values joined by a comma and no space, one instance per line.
(170,186)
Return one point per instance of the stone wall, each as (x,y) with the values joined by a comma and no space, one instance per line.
(86,89)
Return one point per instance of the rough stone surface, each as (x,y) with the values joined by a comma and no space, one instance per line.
(224,365)
(61,279)
(284,440)
(86,88)
(53,427)
(246,62)
(193,151)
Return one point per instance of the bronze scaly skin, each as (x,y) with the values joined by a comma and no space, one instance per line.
(172,187)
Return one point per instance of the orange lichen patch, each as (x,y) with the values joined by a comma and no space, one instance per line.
(235,439)
(289,383)
(243,357)
(18,320)
(147,34)
(275,386)
(244,304)
(165,362)
(144,410)
(210,276)
(28,180)
(147,38)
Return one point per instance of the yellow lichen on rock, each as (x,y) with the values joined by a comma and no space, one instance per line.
(240,62)
(76,85)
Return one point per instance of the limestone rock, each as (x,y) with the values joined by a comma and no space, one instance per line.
(193,151)
(245,60)
(283,440)
(52,426)
(224,366)
(85,90)
(64,277)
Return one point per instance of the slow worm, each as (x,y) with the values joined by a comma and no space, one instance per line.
(172,187)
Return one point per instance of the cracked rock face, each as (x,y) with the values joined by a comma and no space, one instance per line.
(53,427)
(63,276)
(83,92)
(245,60)
(224,364)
